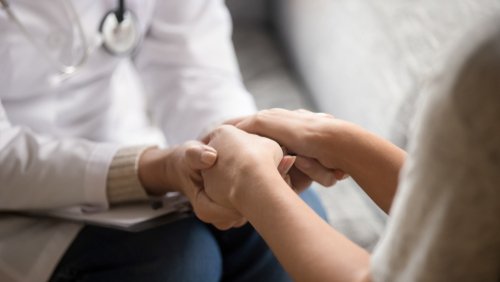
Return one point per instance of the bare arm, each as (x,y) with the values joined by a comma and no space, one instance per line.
(308,248)
(245,177)
(373,162)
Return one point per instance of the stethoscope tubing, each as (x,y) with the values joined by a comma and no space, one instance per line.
(62,68)
(65,69)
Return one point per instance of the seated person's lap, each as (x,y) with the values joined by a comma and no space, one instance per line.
(186,250)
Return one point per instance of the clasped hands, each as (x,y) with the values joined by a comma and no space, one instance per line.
(240,155)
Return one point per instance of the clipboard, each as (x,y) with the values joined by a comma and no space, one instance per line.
(132,217)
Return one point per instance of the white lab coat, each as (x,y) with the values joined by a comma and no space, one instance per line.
(58,136)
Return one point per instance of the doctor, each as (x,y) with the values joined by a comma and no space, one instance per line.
(73,129)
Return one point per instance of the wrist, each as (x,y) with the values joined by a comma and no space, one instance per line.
(336,142)
(151,168)
(254,182)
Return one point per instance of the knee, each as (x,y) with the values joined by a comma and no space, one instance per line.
(187,251)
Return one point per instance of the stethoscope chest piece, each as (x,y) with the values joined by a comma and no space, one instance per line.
(120,36)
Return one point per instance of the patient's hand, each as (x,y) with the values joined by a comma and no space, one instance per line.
(243,162)
(303,133)
(179,169)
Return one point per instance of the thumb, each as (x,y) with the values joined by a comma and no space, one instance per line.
(286,164)
(201,156)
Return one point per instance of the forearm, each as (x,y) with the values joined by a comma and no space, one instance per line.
(308,248)
(41,173)
(374,163)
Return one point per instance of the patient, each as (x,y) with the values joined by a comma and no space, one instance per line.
(443,198)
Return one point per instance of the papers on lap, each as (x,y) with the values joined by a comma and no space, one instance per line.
(133,217)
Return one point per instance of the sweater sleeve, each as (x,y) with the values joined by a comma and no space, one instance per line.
(444,223)
(123,184)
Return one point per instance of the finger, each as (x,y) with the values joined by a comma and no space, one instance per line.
(226,225)
(209,136)
(288,180)
(284,126)
(240,223)
(200,156)
(235,121)
(286,164)
(212,135)
(340,174)
(271,123)
(315,171)
(299,180)
(325,115)
(208,211)
(303,111)
(223,225)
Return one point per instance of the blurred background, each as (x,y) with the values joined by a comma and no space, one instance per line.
(363,61)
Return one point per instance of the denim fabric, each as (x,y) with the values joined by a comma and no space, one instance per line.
(182,251)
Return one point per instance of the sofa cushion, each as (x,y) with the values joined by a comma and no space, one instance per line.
(366,61)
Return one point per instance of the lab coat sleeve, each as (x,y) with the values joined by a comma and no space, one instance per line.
(41,173)
(189,68)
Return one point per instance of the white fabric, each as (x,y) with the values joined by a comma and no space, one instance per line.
(363,60)
(59,135)
(445,222)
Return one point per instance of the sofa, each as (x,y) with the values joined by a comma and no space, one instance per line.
(363,61)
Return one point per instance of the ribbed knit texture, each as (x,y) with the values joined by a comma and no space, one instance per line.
(123,184)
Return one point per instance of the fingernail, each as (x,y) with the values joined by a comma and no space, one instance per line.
(208,157)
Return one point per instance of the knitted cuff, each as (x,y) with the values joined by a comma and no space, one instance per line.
(123,184)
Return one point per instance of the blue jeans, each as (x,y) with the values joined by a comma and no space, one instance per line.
(182,251)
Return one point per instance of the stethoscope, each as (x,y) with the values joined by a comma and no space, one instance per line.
(119,31)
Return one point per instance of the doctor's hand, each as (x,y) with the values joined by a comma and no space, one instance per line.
(179,169)
(244,161)
(303,133)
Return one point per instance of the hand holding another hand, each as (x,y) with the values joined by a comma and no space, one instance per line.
(244,161)
(305,134)
(179,169)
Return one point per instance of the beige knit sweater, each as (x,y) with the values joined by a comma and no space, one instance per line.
(123,184)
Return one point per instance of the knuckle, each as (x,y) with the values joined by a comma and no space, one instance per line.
(202,215)
(222,129)
(259,118)
(240,223)
(194,146)
(191,144)
(222,226)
